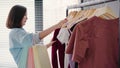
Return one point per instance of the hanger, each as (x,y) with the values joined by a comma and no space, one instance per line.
(78,14)
(90,12)
(74,13)
(71,15)
(104,12)
(81,15)
(76,17)
(86,15)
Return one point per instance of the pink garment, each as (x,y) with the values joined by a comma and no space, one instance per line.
(30,63)
(94,43)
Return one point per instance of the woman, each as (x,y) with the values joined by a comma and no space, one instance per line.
(18,37)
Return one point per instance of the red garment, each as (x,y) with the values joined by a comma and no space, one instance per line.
(57,46)
(94,43)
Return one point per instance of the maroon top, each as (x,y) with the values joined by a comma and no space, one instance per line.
(94,43)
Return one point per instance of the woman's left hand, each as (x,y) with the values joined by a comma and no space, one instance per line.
(50,44)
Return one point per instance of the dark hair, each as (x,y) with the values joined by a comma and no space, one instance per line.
(15,16)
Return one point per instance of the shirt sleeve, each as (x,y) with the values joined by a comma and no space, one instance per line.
(80,45)
(36,38)
(29,39)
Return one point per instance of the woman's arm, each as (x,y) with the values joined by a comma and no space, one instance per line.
(46,32)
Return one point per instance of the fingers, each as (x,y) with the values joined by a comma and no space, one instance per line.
(50,44)
(64,25)
(63,22)
(53,41)
(65,18)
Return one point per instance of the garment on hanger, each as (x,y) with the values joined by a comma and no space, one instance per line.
(104,12)
(94,43)
(66,61)
(72,63)
(44,58)
(57,46)
(83,15)
(36,57)
(41,58)
(63,35)
(30,59)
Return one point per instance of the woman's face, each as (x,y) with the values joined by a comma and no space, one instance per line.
(24,19)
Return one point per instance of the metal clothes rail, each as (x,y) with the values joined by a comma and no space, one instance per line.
(86,4)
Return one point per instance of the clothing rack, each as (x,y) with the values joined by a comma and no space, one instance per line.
(91,3)
(86,4)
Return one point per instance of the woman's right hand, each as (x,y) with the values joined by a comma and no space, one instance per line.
(61,23)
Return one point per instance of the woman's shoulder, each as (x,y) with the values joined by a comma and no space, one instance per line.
(17,31)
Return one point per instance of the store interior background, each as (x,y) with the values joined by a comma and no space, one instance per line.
(53,12)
